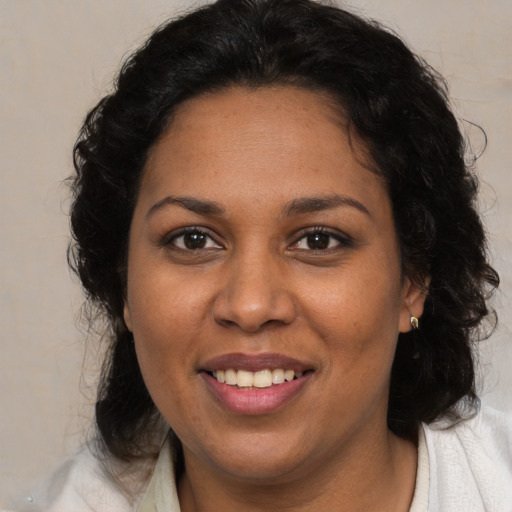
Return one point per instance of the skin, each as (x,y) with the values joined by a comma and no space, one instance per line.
(257,286)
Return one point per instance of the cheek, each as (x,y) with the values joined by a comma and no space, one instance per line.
(358,326)
(167,315)
(162,302)
(357,315)
(359,301)
(165,328)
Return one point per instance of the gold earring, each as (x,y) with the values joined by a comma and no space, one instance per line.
(415,323)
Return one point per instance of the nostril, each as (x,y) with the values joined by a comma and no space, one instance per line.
(248,326)
(253,299)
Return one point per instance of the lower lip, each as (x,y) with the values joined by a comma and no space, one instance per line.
(255,401)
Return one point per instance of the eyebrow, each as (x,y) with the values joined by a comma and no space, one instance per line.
(298,206)
(305,205)
(199,206)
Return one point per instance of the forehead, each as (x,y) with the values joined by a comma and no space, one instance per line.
(279,100)
(255,139)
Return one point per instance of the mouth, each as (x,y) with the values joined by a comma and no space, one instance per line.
(244,379)
(255,384)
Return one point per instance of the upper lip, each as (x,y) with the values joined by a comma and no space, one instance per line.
(255,362)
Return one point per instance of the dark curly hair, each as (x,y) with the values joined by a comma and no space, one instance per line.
(395,103)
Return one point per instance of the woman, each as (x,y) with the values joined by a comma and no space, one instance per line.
(274,214)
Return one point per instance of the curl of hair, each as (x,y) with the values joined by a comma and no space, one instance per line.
(392,100)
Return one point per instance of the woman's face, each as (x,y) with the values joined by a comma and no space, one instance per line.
(261,249)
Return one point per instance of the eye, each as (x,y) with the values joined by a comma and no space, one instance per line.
(321,240)
(193,239)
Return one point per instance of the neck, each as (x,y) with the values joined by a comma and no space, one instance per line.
(379,477)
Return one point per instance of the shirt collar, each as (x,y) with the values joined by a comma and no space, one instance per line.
(162,495)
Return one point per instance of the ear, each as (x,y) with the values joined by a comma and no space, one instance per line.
(127,316)
(413,301)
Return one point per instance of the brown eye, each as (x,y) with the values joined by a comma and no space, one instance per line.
(318,241)
(194,240)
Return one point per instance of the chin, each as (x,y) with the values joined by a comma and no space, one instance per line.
(260,460)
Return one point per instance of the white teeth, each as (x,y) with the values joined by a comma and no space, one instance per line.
(230,377)
(288,375)
(278,376)
(262,379)
(244,379)
(259,379)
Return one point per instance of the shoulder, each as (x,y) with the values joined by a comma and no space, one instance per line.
(471,463)
(82,484)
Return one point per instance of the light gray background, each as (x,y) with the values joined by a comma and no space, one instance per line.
(57,58)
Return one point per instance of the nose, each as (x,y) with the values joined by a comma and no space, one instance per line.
(254,294)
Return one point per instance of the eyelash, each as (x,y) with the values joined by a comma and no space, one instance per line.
(342,241)
(192,230)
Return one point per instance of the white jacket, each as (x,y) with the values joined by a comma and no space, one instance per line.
(465,468)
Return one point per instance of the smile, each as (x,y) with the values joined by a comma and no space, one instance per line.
(253,384)
(244,379)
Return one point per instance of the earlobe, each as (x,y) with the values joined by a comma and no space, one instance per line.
(127,316)
(412,305)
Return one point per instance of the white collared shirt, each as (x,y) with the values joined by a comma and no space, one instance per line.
(464,468)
